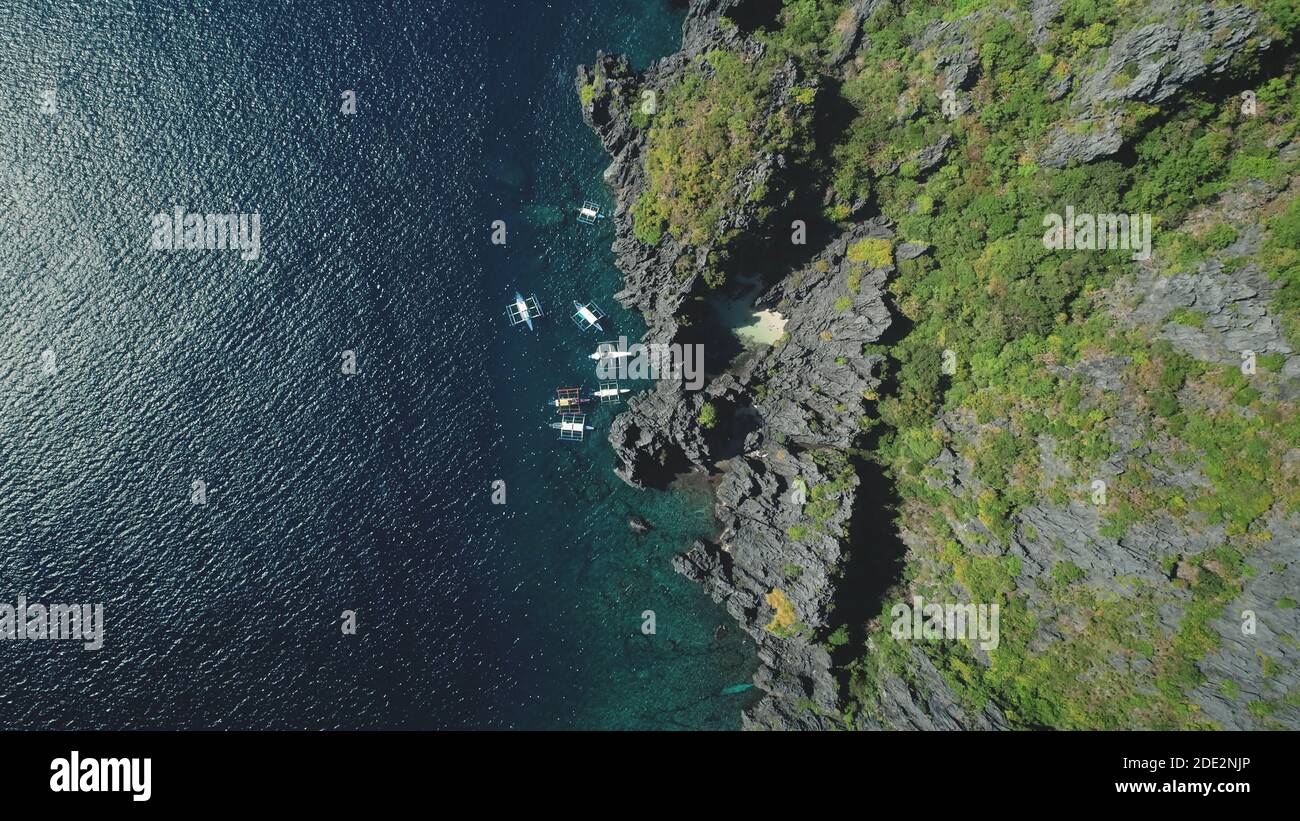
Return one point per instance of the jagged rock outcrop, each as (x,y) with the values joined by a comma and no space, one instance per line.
(851,35)
(924,701)
(1150,64)
(658,436)
(1225,307)
(767,556)
(772,570)
(1258,628)
(1235,310)
(702,29)
(660,278)
(955,57)
(1155,62)
(815,380)
(806,392)
(1087,138)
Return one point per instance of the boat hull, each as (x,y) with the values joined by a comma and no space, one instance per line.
(519,300)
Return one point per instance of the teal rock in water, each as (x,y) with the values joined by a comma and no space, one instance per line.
(735,688)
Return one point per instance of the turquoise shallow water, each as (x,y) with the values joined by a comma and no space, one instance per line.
(590,591)
(369,492)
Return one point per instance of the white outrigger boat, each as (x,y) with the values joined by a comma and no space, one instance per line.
(572,427)
(569,400)
(588,316)
(610,392)
(523,310)
(589,213)
(608,350)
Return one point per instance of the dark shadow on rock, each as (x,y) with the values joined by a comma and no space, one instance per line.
(707,328)
(752,15)
(832,117)
(727,440)
(875,561)
(653,468)
(899,327)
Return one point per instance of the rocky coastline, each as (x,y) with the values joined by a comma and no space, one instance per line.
(801,525)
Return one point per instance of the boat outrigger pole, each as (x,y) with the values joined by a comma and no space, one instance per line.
(523,310)
(569,400)
(610,393)
(588,316)
(589,213)
(572,427)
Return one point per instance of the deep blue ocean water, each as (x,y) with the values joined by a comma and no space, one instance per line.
(326,492)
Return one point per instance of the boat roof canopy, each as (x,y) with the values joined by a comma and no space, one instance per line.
(522,310)
(588,213)
(573,427)
(587,315)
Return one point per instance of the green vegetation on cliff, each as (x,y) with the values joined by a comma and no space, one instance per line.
(1018,320)
(1025,373)
(711,127)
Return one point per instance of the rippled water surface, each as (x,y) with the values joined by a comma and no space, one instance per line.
(126,374)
